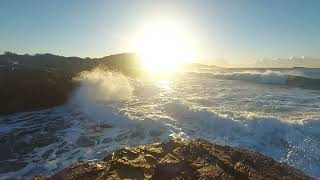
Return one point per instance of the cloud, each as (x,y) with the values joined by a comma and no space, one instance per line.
(292,61)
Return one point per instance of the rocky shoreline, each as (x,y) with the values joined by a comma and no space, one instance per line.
(176,159)
(41,81)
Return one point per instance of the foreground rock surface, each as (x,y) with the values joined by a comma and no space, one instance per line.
(176,159)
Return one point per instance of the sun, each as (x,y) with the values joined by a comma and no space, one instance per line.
(164,46)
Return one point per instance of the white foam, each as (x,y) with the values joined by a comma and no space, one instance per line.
(267,77)
(108,115)
(99,85)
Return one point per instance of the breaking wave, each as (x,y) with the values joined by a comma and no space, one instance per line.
(89,135)
(99,85)
(109,111)
(269,77)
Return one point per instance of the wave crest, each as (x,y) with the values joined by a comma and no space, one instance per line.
(269,77)
(99,85)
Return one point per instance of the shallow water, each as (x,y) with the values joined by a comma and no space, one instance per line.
(110,111)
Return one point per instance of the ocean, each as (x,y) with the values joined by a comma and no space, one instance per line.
(272,111)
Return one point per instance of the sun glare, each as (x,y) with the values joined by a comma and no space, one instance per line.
(164,47)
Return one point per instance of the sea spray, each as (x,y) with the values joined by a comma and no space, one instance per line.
(99,93)
(99,85)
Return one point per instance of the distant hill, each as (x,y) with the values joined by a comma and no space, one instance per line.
(127,63)
(50,62)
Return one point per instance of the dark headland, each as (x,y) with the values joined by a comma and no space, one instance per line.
(178,159)
(35,82)
(40,81)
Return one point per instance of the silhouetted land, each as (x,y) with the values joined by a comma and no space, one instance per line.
(34,82)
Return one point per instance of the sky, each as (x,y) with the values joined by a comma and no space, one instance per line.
(227,32)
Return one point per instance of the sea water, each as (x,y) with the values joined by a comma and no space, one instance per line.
(262,110)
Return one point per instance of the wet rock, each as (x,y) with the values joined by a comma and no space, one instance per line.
(104,126)
(13,165)
(177,159)
(98,129)
(84,141)
(47,154)
(6,152)
(43,140)
(155,133)
(45,80)
(106,140)
(34,89)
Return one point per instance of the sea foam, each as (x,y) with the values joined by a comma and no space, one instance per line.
(110,111)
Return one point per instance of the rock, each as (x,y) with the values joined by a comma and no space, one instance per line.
(41,81)
(106,140)
(84,141)
(33,89)
(168,167)
(178,159)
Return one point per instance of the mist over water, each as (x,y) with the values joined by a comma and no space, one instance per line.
(99,85)
(255,110)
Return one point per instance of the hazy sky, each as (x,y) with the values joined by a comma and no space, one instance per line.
(236,31)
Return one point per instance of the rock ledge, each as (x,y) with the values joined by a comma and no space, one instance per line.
(177,159)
